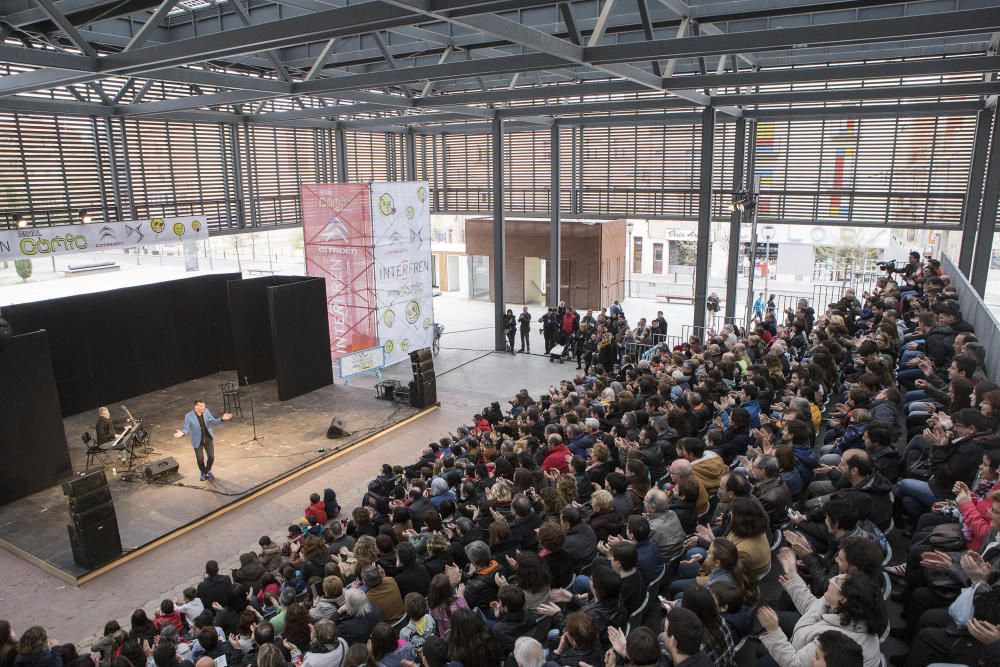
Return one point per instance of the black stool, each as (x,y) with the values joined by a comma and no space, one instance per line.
(231,398)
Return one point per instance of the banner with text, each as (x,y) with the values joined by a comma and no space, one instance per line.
(337,229)
(37,242)
(401,231)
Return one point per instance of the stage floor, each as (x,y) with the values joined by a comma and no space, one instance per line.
(292,436)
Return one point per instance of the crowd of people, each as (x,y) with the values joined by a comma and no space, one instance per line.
(725,500)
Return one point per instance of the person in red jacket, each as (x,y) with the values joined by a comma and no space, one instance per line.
(316,508)
(558,454)
(167,614)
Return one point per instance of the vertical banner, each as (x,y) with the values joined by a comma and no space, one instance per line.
(337,228)
(401,230)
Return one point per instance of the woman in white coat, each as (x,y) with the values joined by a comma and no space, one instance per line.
(852,605)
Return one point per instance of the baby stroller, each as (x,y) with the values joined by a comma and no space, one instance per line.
(562,349)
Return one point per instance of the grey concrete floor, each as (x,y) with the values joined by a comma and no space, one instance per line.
(470,376)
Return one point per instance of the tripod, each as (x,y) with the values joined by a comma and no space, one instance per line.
(253,416)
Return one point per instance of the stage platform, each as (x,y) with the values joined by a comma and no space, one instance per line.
(292,440)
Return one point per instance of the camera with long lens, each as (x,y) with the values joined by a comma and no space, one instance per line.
(888,267)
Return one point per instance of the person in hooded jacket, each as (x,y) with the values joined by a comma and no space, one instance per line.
(250,572)
(326,649)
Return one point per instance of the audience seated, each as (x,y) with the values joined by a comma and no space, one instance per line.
(532,536)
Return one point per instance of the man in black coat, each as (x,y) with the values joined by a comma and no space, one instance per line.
(526,520)
(214,587)
(513,621)
(480,579)
(411,576)
(581,540)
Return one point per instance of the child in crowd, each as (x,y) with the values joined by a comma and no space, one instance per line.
(192,606)
(167,614)
(421,625)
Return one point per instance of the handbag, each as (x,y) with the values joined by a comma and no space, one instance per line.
(962,609)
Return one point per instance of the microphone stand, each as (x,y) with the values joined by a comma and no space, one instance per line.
(253,416)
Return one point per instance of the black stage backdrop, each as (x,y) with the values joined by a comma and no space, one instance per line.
(300,334)
(32,439)
(251,328)
(112,345)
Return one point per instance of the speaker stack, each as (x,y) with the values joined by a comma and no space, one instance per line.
(93,533)
(423,389)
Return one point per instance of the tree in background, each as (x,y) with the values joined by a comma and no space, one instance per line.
(23,268)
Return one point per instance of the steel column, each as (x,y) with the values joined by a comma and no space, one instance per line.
(735,218)
(411,155)
(974,195)
(988,214)
(234,147)
(341,148)
(499,249)
(555,250)
(704,217)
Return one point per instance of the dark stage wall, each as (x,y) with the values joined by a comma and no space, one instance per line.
(300,333)
(113,345)
(252,328)
(32,439)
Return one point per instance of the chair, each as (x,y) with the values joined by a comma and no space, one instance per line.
(654,585)
(888,554)
(885,634)
(231,398)
(400,623)
(886,585)
(706,517)
(636,618)
(96,452)
(778,535)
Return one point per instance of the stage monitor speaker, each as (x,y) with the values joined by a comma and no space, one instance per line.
(336,429)
(89,501)
(81,484)
(96,545)
(162,468)
(421,355)
(423,394)
(93,517)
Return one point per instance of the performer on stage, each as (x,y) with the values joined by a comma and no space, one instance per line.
(198,425)
(105,429)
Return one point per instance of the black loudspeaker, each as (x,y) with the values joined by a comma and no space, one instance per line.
(162,468)
(95,545)
(81,484)
(90,500)
(421,355)
(93,517)
(423,394)
(336,429)
(423,367)
(6,333)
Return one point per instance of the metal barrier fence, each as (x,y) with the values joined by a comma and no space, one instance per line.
(978,314)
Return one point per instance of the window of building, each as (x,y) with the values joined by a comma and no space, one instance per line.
(658,258)
(637,254)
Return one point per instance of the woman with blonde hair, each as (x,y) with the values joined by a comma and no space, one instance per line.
(605,519)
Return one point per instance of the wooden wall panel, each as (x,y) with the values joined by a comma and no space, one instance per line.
(589,251)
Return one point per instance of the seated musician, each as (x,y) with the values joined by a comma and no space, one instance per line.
(105,429)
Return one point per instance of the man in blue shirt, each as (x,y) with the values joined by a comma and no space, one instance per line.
(198,425)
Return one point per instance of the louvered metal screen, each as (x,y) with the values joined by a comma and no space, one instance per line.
(905,171)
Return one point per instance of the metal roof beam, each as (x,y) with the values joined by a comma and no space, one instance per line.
(158,16)
(942,24)
(66,27)
(977,88)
